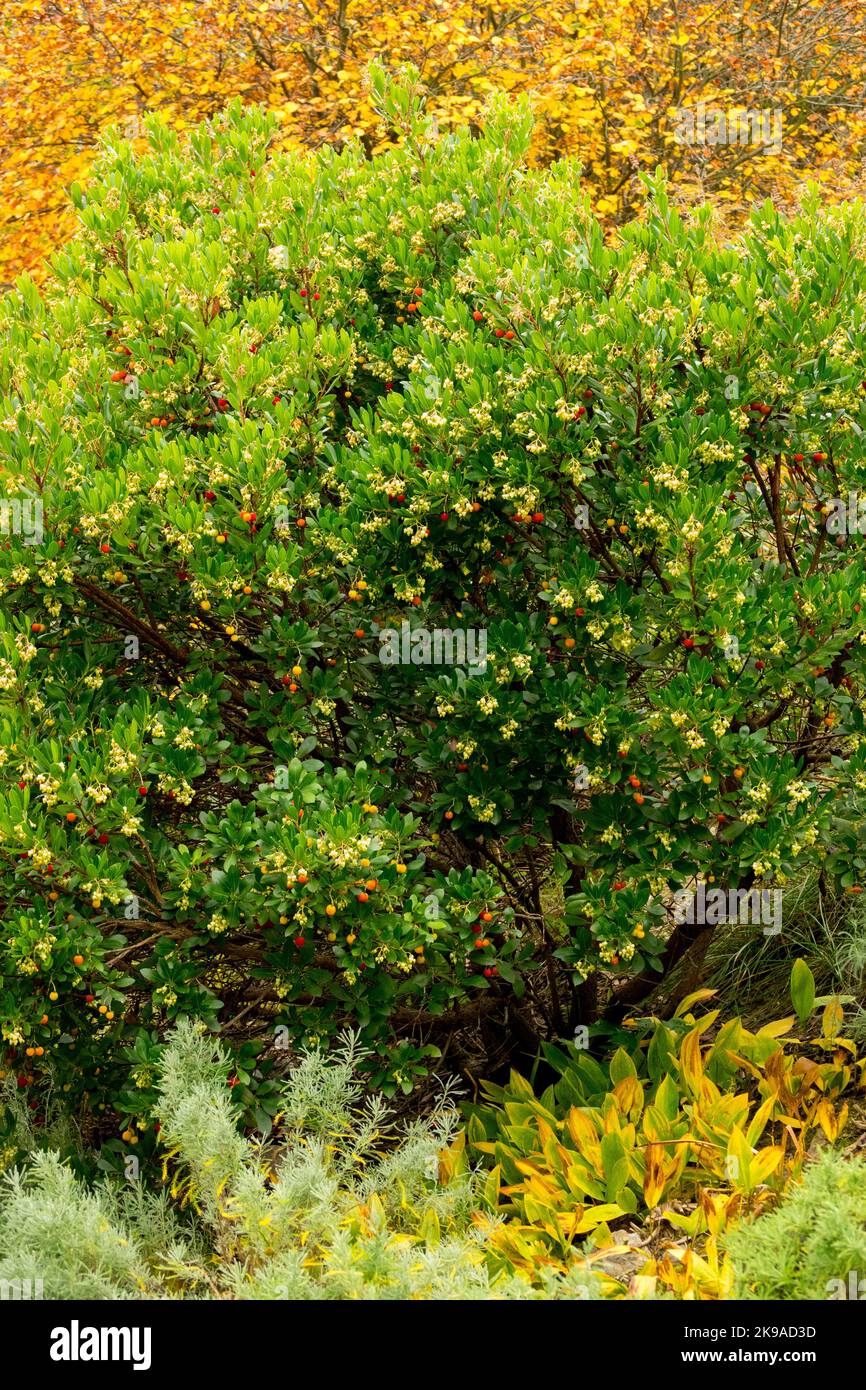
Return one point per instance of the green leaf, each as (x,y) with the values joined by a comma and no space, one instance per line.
(802,989)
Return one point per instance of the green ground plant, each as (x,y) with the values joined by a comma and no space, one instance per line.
(342,1204)
(814,1241)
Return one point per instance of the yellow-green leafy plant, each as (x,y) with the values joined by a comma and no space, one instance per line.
(687,1110)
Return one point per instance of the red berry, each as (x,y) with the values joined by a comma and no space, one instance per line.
(105,547)
(478,316)
(300,941)
(142,791)
(210,496)
(103,838)
(688,642)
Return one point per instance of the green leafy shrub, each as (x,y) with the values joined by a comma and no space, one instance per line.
(814,1241)
(344,1205)
(271,410)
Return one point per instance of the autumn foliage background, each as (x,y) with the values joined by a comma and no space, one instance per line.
(606,80)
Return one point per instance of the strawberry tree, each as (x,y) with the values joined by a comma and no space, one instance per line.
(271,411)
